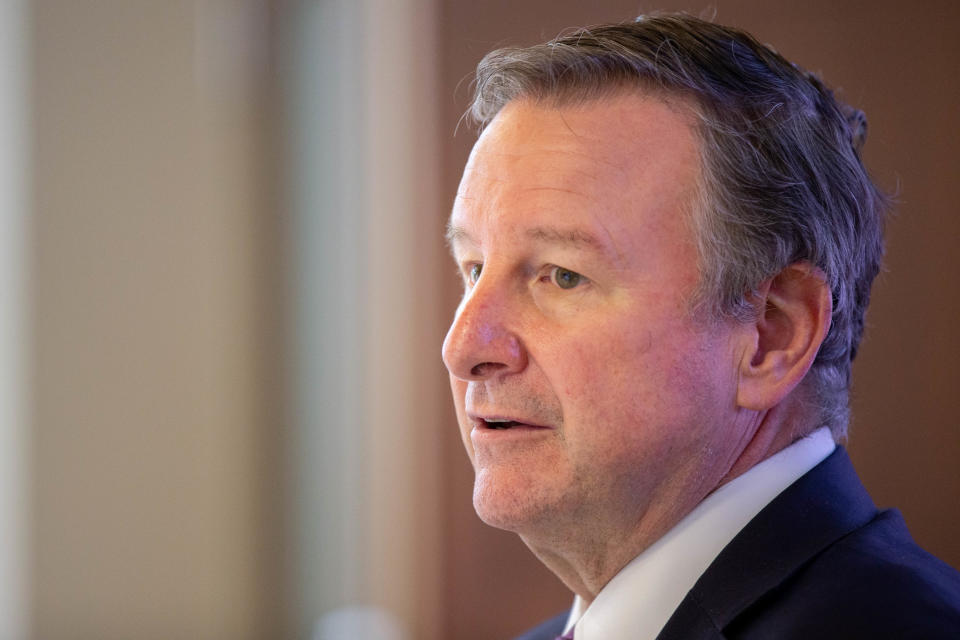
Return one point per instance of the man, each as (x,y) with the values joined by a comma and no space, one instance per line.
(667,242)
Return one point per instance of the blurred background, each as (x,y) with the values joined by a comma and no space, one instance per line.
(224,289)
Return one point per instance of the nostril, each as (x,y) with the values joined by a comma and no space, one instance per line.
(485,369)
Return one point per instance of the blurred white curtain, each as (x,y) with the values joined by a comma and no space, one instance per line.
(13,335)
(367,238)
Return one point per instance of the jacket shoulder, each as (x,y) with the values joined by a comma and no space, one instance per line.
(874,582)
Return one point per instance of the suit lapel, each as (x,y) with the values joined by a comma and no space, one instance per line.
(690,622)
(821,507)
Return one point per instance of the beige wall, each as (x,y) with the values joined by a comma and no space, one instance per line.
(898,64)
(150,465)
(167,454)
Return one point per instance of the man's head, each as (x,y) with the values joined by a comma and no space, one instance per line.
(782,178)
(645,288)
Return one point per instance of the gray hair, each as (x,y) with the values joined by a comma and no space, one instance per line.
(783,181)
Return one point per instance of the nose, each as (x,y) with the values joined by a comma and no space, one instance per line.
(480,343)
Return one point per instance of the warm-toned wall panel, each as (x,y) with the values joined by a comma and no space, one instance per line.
(894,63)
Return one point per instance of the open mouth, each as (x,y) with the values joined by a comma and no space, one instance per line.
(500,424)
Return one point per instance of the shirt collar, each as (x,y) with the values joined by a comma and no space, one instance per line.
(638,601)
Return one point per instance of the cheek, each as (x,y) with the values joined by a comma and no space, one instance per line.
(601,388)
(632,387)
(605,364)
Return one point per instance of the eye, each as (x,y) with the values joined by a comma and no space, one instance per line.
(564,278)
(473,272)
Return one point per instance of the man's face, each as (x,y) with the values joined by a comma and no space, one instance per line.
(585,390)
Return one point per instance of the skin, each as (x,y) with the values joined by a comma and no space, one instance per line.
(632,409)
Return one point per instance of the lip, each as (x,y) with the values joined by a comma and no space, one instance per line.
(523,429)
(481,422)
(485,437)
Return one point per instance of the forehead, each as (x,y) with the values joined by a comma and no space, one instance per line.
(609,168)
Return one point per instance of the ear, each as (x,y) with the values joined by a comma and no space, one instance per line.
(793,317)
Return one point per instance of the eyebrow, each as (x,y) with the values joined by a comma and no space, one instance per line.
(456,234)
(572,238)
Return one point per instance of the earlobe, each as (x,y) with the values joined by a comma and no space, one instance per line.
(793,311)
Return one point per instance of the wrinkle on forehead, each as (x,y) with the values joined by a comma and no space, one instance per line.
(577,155)
(489,168)
(584,146)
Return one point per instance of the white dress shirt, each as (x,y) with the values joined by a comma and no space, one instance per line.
(638,601)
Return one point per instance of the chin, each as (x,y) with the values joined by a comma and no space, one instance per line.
(513,504)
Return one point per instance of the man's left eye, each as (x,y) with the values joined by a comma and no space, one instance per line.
(564,278)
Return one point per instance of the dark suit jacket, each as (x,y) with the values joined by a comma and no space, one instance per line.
(819,562)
